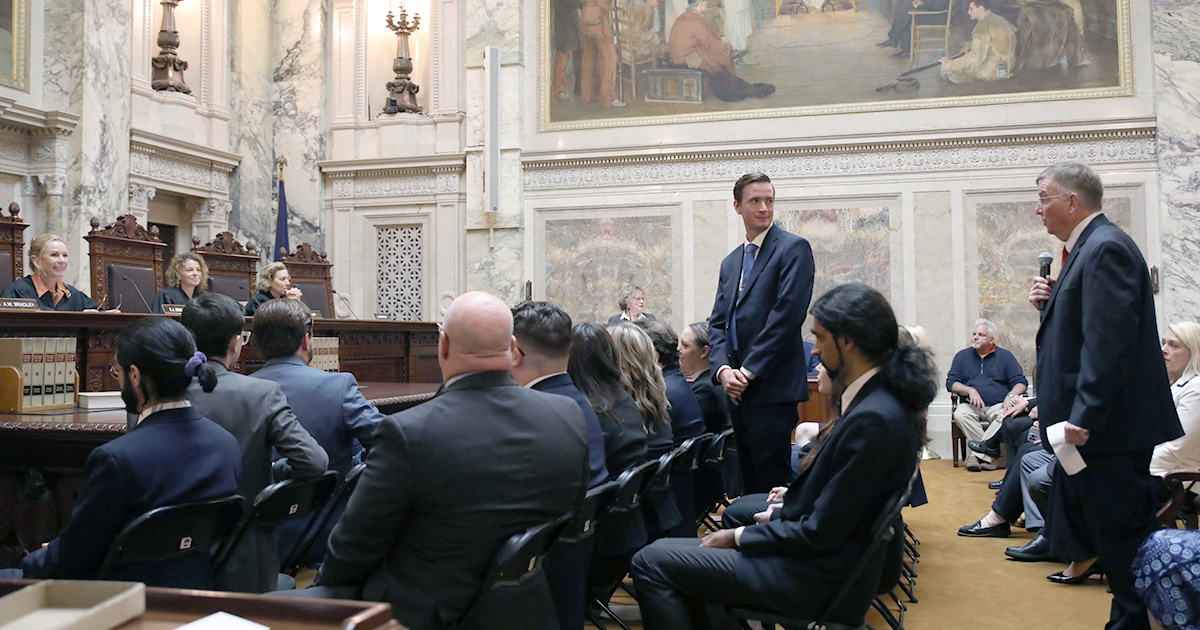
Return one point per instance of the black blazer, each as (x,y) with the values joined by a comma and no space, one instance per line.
(624,436)
(829,509)
(562,385)
(616,319)
(446,483)
(770,315)
(1099,362)
(260,298)
(686,419)
(172,295)
(713,402)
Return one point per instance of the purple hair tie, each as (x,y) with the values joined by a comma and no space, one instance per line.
(193,363)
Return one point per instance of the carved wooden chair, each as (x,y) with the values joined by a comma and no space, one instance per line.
(930,30)
(232,267)
(12,246)
(126,264)
(312,273)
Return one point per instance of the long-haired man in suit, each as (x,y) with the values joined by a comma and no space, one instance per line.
(1100,370)
(755,334)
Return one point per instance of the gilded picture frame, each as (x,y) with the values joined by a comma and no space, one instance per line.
(14,25)
(826,61)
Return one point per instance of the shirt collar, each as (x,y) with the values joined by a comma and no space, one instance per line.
(164,406)
(60,289)
(758,240)
(1077,230)
(539,379)
(853,389)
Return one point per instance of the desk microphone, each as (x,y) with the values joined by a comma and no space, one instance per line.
(139,292)
(248,293)
(344,301)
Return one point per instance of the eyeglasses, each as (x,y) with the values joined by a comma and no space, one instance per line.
(1042,201)
(114,371)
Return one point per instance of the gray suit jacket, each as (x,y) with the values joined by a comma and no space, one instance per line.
(257,414)
(446,483)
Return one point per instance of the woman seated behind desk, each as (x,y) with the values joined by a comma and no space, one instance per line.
(48,261)
(185,275)
(274,282)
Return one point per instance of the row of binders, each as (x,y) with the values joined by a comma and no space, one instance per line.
(325,354)
(46,366)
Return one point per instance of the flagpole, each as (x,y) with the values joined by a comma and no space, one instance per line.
(282,246)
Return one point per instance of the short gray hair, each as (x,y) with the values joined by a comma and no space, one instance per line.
(1078,178)
(991,326)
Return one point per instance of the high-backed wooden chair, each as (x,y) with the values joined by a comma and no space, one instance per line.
(12,246)
(232,267)
(312,273)
(930,30)
(126,264)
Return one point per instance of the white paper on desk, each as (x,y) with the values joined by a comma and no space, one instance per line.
(1068,456)
(223,621)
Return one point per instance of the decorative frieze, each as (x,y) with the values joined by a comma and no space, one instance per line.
(166,163)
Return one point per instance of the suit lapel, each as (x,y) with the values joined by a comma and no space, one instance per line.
(760,261)
(1071,256)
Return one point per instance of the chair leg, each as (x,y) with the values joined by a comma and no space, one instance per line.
(608,611)
(887,615)
(908,592)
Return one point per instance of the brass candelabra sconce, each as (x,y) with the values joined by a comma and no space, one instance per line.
(168,68)
(402,92)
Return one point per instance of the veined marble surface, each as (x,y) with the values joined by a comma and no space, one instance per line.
(1011,237)
(251,128)
(1177,90)
(493,23)
(588,262)
(498,269)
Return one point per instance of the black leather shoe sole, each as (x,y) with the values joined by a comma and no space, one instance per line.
(977,531)
(995,485)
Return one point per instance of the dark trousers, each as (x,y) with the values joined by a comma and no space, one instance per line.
(675,577)
(1109,508)
(1013,433)
(764,439)
(1009,502)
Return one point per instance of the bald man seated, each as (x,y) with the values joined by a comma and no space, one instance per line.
(448,481)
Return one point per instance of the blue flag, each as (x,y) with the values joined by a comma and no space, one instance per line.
(281,233)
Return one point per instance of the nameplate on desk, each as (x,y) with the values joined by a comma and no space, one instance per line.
(173,309)
(18,304)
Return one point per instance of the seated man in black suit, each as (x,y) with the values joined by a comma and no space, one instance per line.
(449,481)
(811,542)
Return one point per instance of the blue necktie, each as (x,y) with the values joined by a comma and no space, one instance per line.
(747,267)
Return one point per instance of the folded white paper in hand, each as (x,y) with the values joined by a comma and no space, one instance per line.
(1068,455)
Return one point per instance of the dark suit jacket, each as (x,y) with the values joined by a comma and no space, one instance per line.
(1099,362)
(770,314)
(329,406)
(257,414)
(172,457)
(687,421)
(562,385)
(712,401)
(446,484)
(624,448)
(829,509)
(616,319)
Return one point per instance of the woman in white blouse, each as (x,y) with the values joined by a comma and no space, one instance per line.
(1181,351)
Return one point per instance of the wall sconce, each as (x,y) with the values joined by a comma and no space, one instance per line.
(402,92)
(168,69)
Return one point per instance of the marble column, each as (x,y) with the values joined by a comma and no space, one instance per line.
(1177,96)
(139,201)
(210,217)
(251,129)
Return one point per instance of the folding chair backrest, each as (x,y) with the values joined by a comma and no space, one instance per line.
(583,522)
(714,451)
(317,532)
(281,502)
(1178,483)
(175,531)
(658,483)
(629,487)
(692,447)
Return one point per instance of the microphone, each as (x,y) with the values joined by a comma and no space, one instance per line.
(139,292)
(344,301)
(1044,260)
(242,287)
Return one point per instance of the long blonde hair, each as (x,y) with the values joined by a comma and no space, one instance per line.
(37,245)
(635,355)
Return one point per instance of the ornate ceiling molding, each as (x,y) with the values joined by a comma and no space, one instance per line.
(910,156)
(180,167)
(393,177)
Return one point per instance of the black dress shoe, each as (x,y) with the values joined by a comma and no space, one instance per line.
(982,447)
(899,54)
(887,43)
(995,485)
(1095,569)
(1037,550)
(977,530)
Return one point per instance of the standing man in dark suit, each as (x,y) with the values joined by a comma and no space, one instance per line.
(762,296)
(450,480)
(328,405)
(1100,370)
(257,414)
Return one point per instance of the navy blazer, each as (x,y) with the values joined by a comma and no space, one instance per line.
(828,511)
(770,315)
(447,483)
(328,405)
(172,457)
(562,385)
(1099,362)
(687,421)
(713,402)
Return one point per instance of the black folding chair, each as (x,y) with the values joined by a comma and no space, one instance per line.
(710,482)
(175,531)
(518,561)
(883,530)
(625,505)
(583,521)
(313,541)
(281,502)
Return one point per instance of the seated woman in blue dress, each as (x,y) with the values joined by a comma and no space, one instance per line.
(274,282)
(48,261)
(186,276)
(174,455)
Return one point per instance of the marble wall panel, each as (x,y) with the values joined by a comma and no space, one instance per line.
(710,244)
(493,23)
(251,129)
(849,245)
(1010,237)
(1177,91)
(496,265)
(588,263)
(933,258)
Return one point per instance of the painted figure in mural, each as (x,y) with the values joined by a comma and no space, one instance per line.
(694,44)
(639,41)
(991,54)
(566,46)
(1046,35)
(900,35)
(599,54)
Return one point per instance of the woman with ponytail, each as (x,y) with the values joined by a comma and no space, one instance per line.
(173,455)
(793,559)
